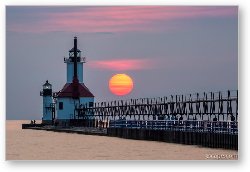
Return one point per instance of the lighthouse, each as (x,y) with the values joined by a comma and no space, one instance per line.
(70,64)
(48,110)
(74,93)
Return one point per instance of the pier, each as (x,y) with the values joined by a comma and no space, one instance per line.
(202,133)
(76,130)
(207,119)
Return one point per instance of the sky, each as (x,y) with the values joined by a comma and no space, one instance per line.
(165,49)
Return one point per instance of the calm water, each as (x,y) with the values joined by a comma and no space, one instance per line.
(45,145)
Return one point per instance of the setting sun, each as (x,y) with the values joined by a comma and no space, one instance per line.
(120,84)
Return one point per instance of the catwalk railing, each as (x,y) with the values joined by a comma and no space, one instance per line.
(189,125)
(210,107)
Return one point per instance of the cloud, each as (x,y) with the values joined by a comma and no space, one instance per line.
(122,65)
(113,19)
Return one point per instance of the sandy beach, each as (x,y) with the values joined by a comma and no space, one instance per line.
(44,145)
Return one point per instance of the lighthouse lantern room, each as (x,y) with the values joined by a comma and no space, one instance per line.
(70,65)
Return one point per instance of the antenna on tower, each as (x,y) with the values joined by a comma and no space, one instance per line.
(75,57)
(75,91)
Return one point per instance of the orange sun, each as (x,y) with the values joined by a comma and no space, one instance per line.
(120,84)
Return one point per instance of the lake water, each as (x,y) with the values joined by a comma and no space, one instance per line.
(45,145)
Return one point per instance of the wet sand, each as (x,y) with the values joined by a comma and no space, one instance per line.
(44,145)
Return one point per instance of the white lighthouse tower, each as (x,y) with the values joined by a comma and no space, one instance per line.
(48,115)
(74,92)
(70,65)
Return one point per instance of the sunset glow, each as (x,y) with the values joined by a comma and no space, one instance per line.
(114,19)
(121,84)
(122,64)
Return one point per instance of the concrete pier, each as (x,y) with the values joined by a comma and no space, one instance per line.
(77,130)
(205,139)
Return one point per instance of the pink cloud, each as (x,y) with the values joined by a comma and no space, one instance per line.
(120,18)
(122,65)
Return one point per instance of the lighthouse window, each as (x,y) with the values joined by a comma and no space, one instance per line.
(60,105)
(90,104)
